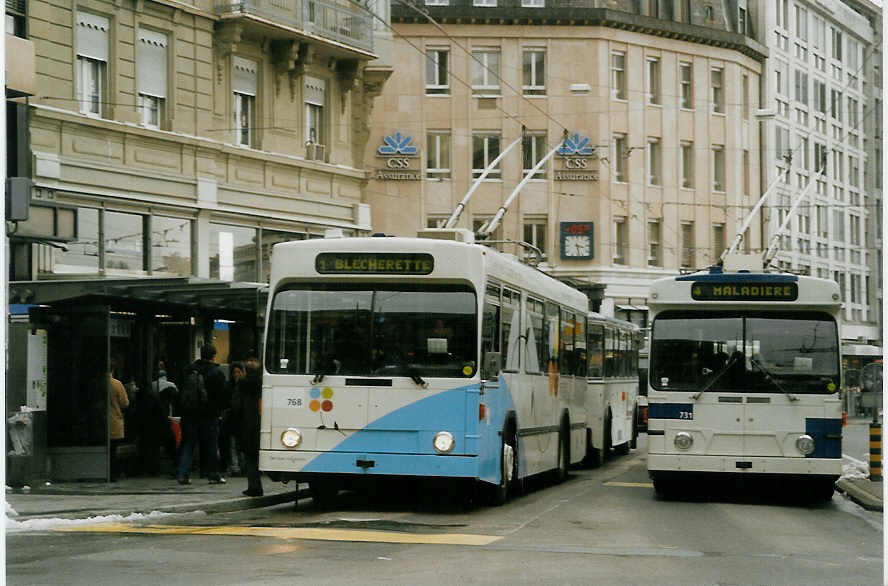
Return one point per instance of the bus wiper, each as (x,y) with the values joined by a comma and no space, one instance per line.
(413,373)
(718,375)
(772,379)
(318,377)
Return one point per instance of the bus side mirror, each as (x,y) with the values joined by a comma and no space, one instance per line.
(490,367)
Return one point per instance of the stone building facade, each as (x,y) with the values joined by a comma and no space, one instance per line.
(185,138)
(824,91)
(658,101)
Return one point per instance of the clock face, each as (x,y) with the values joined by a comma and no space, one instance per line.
(577,245)
(576,240)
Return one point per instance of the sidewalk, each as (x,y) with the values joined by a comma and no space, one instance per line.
(864,492)
(75,500)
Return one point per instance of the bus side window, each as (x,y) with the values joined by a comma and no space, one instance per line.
(610,354)
(550,332)
(566,344)
(596,350)
(511,324)
(490,340)
(580,346)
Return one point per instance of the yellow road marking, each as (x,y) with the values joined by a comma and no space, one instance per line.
(631,484)
(313,533)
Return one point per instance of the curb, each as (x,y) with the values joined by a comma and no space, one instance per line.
(220,506)
(859,496)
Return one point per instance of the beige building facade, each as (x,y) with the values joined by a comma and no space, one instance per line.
(662,162)
(186,138)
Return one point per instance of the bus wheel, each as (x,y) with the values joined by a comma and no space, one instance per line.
(663,486)
(634,443)
(499,494)
(323,493)
(826,489)
(563,464)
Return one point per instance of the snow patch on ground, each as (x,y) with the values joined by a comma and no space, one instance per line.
(48,524)
(10,512)
(854,469)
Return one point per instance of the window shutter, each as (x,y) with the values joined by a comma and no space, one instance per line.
(244,76)
(152,62)
(315,90)
(92,36)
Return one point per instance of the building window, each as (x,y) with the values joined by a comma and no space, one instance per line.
(746,172)
(653,81)
(839,226)
(244,100)
(437,81)
(92,63)
(487,3)
(853,171)
(801,86)
(801,15)
(780,78)
(485,148)
(687,164)
(741,21)
(653,161)
(654,257)
(782,13)
(854,229)
(314,95)
(687,245)
(233,253)
(438,155)
(533,148)
(745,97)
(171,245)
(618,76)
(836,38)
(124,241)
(687,87)
(533,3)
(534,73)
(718,96)
(619,162)
(819,96)
(427,3)
(621,241)
(485,72)
(718,168)
(782,149)
(82,255)
(152,64)
(535,233)
(819,157)
(718,241)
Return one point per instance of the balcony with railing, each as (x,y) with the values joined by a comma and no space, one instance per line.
(344,23)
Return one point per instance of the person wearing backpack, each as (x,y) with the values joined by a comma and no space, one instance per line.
(203,389)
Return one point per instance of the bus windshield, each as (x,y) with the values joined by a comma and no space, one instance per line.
(373,329)
(744,351)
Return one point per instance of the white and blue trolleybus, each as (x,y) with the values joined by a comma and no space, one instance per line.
(421,357)
(745,369)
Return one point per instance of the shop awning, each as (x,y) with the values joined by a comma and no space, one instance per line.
(155,293)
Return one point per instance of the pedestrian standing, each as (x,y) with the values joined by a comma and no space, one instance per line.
(202,393)
(118,402)
(229,430)
(250,391)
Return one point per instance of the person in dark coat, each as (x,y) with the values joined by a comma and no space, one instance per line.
(250,391)
(202,425)
(229,442)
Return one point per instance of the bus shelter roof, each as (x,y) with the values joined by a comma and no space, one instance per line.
(146,293)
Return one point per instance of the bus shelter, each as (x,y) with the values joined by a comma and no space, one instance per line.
(68,337)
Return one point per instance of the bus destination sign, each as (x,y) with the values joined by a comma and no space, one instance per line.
(744,291)
(374,263)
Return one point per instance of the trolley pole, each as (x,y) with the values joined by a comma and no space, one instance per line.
(875,451)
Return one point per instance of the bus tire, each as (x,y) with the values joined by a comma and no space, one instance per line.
(622,449)
(499,494)
(323,493)
(664,486)
(634,443)
(563,463)
(826,489)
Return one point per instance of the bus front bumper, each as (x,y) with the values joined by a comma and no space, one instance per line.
(368,463)
(744,464)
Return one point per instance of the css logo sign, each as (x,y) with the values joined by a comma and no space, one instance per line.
(576,163)
(397,163)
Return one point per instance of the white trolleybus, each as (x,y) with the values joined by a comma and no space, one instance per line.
(745,369)
(424,357)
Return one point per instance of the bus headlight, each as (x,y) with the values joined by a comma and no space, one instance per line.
(443,442)
(805,444)
(291,437)
(683,440)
